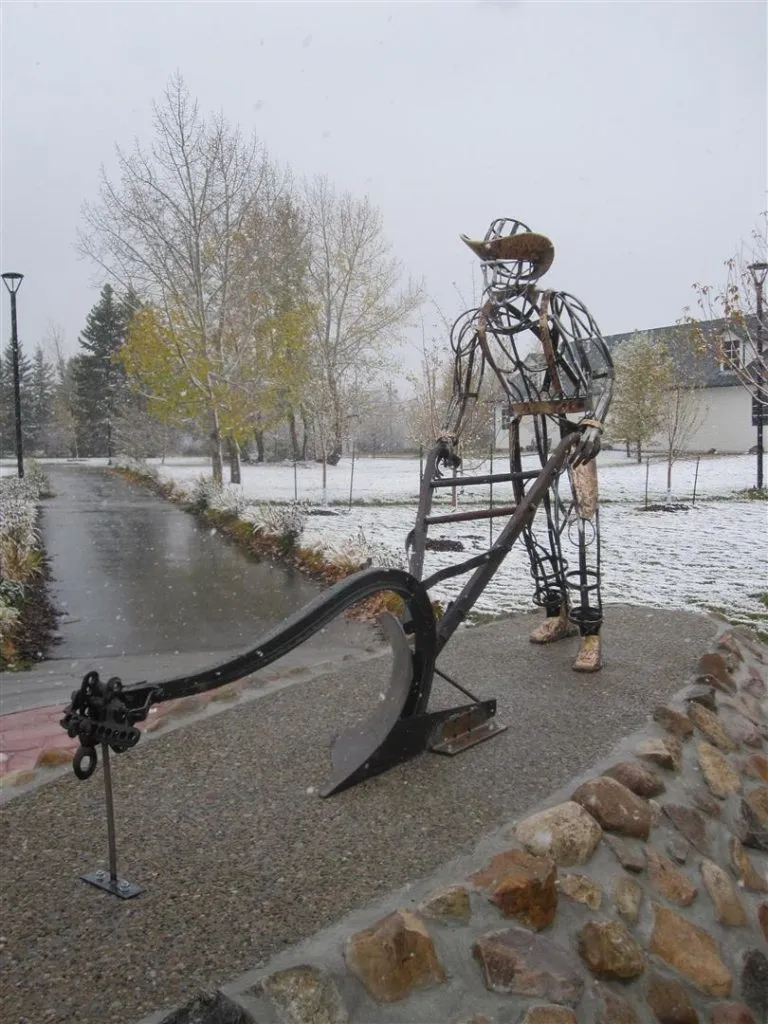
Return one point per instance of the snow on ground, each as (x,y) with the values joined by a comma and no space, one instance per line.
(397,480)
(712,556)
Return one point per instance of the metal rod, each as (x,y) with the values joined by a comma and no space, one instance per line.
(695,479)
(16,385)
(352,474)
(760,381)
(490,499)
(489,478)
(463,517)
(462,689)
(110,813)
(647,471)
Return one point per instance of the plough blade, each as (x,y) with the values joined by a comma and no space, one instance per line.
(369,748)
(391,735)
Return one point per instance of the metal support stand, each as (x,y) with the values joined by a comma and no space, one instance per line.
(110,882)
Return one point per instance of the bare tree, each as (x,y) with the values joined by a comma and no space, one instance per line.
(61,433)
(359,306)
(167,229)
(733,340)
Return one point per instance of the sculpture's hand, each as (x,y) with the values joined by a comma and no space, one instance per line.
(588,444)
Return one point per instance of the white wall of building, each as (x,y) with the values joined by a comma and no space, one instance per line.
(726,423)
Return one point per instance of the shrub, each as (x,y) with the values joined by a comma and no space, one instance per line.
(360,552)
(203,491)
(283,522)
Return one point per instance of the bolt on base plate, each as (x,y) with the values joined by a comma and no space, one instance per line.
(116,886)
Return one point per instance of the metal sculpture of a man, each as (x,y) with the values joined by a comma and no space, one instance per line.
(557,377)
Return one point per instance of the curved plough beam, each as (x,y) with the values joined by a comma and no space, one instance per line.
(107,712)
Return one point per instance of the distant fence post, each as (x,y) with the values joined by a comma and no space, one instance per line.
(647,471)
(352,474)
(295,481)
(696,479)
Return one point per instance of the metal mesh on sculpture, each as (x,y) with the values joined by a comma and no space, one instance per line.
(562,386)
(556,372)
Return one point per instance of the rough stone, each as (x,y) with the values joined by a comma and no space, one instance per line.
(754,982)
(674,722)
(655,812)
(666,752)
(748,639)
(670,1002)
(690,951)
(582,890)
(305,995)
(476,1018)
(750,829)
(744,869)
(566,833)
(690,824)
(728,907)
(702,696)
(701,798)
(711,727)
(615,807)
(632,858)
(746,706)
(758,801)
(741,730)
(727,643)
(516,961)
(677,848)
(449,904)
(668,881)
(755,685)
(762,918)
(731,1013)
(521,886)
(642,781)
(209,1008)
(719,774)
(755,767)
(714,665)
(627,895)
(608,949)
(549,1015)
(394,957)
(614,1009)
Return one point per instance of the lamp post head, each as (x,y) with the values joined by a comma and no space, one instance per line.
(12,281)
(758,272)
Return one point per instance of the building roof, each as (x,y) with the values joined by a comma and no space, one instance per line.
(701,367)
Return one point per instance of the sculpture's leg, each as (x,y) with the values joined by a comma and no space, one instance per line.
(587,609)
(544,550)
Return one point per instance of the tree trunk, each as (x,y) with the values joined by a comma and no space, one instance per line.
(305,435)
(629,450)
(259,438)
(639,452)
(217,457)
(294,435)
(670,460)
(234,461)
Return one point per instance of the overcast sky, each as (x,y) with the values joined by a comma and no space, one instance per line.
(633,134)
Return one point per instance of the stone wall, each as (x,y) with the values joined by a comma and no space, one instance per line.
(640,896)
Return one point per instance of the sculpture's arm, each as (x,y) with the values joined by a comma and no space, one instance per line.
(584,359)
(468,368)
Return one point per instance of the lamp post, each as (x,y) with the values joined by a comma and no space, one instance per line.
(12,282)
(759,272)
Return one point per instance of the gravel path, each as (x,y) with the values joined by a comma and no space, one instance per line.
(238,856)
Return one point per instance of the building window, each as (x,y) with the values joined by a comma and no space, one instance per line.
(506,417)
(731,356)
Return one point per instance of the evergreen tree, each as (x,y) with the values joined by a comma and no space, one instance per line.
(39,403)
(8,401)
(99,378)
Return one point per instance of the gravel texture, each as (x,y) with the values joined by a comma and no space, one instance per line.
(220,823)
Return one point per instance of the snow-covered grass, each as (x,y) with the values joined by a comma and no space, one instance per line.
(396,481)
(715,555)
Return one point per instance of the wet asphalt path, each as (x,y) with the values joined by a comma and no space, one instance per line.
(142,586)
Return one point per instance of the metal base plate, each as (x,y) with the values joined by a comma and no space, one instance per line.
(466,728)
(115,886)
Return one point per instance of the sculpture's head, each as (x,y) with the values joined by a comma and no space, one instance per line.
(512,255)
